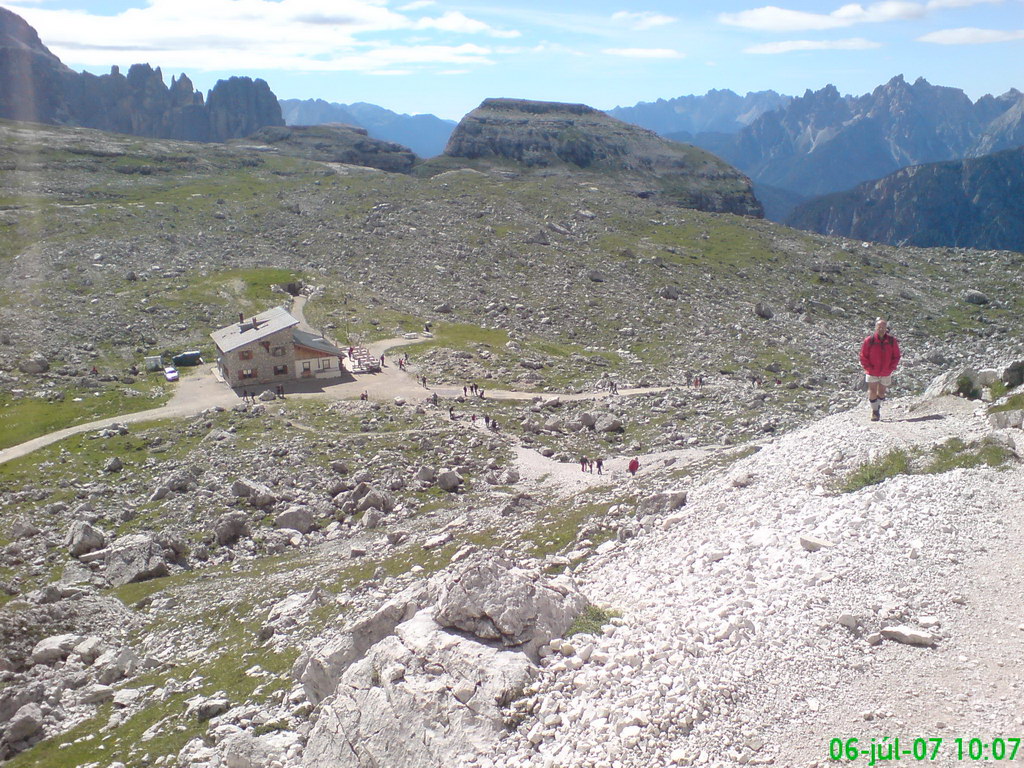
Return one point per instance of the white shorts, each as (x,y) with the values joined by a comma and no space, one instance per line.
(885,381)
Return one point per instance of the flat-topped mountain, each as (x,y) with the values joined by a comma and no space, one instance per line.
(35,86)
(552,135)
(334,144)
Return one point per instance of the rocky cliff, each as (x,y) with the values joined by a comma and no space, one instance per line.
(975,203)
(36,86)
(336,144)
(551,135)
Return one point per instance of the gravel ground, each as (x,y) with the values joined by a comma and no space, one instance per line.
(738,645)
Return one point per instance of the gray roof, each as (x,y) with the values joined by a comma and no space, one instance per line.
(318,343)
(246,332)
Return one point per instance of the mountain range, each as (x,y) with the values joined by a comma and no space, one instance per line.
(978,202)
(426,135)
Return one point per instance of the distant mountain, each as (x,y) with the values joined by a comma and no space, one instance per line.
(715,112)
(973,203)
(548,137)
(426,135)
(823,142)
(35,86)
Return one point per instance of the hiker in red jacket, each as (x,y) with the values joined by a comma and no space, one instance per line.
(634,465)
(879,356)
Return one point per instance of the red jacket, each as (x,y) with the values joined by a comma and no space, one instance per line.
(879,356)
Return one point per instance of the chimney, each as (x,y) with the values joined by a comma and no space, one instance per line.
(241,319)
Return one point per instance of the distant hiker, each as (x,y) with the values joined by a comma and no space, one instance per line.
(434,398)
(465,391)
(473,418)
(480,392)
(401,364)
(879,356)
(487,421)
(634,466)
(350,350)
(94,370)
(245,395)
(451,413)
(382,361)
(600,466)
(583,463)
(363,395)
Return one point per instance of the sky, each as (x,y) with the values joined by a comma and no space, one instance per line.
(444,57)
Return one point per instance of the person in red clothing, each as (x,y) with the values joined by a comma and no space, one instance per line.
(634,465)
(879,356)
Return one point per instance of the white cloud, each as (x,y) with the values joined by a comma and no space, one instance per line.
(454,21)
(416,5)
(960,3)
(644,53)
(642,20)
(771,18)
(298,35)
(788,46)
(972,36)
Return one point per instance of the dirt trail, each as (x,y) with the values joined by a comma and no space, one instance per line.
(202,389)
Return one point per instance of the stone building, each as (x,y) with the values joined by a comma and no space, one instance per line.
(268,348)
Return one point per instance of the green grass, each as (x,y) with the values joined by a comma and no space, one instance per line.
(896,462)
(956,454)
(1013,403)
(25,418)
(950,455)
(591,620)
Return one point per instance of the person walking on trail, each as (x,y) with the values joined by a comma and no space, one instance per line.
(583,463)
(879,356)
(600,466)
(634,466)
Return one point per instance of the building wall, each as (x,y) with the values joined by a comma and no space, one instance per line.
(262,361)
(321,365)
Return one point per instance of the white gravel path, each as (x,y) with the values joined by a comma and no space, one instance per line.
(731,650)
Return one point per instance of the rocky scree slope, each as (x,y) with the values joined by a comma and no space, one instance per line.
(296,627)
(547,135)
(557,283)
(772,614)
(35,86)
(973,203)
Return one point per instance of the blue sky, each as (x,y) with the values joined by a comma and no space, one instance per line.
(442,57)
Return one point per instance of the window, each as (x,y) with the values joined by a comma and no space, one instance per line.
(280,370)
(325,362)
(278,351)
(247,373)
(305,365)
(245,354)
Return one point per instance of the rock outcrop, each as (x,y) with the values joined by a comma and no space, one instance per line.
(548,136)
(423,691)
(35,86)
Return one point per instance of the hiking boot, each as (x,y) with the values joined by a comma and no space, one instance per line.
(876,416)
